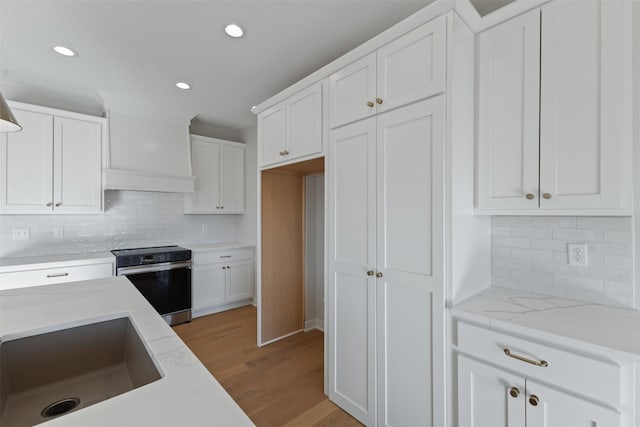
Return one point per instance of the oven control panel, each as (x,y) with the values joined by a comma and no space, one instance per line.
(133,259)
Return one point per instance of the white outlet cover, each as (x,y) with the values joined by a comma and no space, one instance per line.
(578,254)
(21,234)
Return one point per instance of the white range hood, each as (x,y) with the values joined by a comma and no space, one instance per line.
(148,148)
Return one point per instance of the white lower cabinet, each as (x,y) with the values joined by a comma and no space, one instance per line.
(533,385)
(221,279)
(67,272)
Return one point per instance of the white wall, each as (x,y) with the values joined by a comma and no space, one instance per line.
(314,262)
(131,219)
(248,223)
(530,253)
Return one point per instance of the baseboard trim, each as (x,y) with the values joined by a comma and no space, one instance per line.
(218,308)
(314,324)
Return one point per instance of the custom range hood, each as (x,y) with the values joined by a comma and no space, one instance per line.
(148,147)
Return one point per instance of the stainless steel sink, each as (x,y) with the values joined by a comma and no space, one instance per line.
(51,374)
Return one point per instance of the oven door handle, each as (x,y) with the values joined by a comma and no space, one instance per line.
(152,268)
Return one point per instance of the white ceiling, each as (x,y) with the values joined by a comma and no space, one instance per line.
(141,48)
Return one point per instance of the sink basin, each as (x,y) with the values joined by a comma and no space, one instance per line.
(50,374)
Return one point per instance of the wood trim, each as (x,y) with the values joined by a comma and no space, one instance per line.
(282,275)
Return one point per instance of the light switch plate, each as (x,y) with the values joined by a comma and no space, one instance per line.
(21,234)
(578,254)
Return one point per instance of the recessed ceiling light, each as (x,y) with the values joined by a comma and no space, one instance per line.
(183,85)
(62,50)
(234,30)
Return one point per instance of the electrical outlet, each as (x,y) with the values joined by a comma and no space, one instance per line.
(577,253)
(58,233)
(21,234)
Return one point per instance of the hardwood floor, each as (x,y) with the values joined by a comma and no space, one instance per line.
(277,385)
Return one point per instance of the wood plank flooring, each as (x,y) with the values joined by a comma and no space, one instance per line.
(277,385)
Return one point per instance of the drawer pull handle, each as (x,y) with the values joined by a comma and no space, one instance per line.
(57,275)
(542,363)
(514,392)
(225,256)
(533,400)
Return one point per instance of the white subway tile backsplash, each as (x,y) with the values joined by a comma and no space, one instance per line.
(569,235)
(614,236)
(553,221)
(618,223)
(533,232)
(590,223)
(511,242)
(131,219)
(530,253)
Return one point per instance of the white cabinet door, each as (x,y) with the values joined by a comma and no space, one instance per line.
(412,67)
(271,131)
(231,179)
(304,122)
(77,159)
(239,281)
(581,104)
(554,408)
(508,108)
(26,165)
(410,149)
(205,165)
(489,397)
(352,247)
(208,285)
(352,92)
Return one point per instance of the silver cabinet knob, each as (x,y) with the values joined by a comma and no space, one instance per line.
(49,204)
(533,400)
(514,392)
(370,273)
(530,196)
(370,104)
(58,204)
(379,101)
(378,274)
(546,196)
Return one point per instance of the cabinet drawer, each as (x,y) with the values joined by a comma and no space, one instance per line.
(222,256)
(594,378)
(50,276)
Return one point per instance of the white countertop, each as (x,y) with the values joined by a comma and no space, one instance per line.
(53,261)
(186,395)
(214,246)
(560,319)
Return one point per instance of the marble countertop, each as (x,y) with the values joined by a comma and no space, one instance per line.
(53,261)
(214,246)
(186,395)
(561,319)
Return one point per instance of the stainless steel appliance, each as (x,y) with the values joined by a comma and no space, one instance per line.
(163,276)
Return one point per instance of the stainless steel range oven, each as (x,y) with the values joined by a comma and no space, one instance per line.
(163,277)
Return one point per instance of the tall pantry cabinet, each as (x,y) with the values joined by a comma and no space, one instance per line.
(388,217)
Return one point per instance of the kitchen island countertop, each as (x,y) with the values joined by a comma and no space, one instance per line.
(186,395)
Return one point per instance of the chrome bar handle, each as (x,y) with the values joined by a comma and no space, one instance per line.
(542,363)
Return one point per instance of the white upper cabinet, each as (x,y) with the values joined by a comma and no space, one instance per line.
(352,92)
(218,166)
(508,108)
(271,131)
(553,100)
(581,104)
(410,68)
(54,165)
(77,159)
(292,129)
